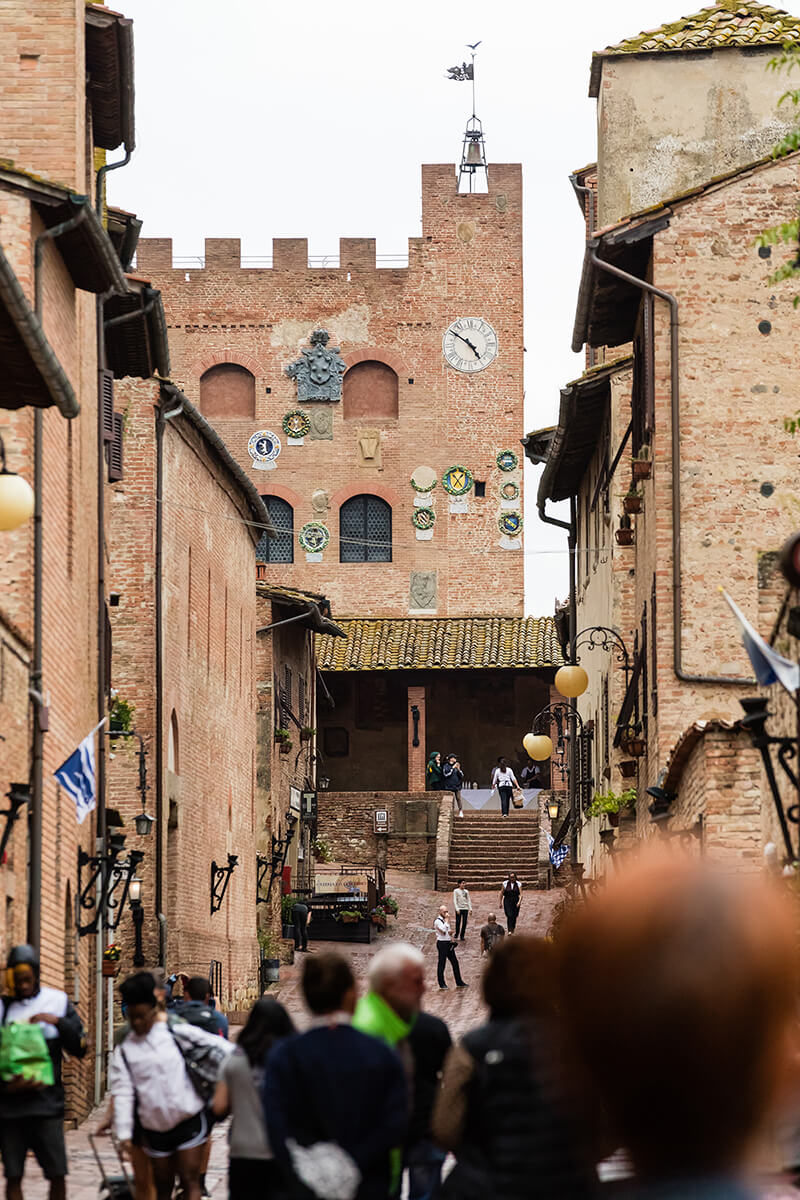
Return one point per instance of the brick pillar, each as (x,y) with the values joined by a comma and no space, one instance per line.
(416,754)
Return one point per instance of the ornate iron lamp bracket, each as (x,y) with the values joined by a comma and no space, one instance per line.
(601,637)
(105,876)
(220,878)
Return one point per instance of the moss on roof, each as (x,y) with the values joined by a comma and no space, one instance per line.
(724,25)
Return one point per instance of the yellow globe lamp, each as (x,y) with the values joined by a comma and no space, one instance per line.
(571,681)
(16,500)
(538,746)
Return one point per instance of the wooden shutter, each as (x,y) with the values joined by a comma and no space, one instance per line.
(105,392)
(115,451)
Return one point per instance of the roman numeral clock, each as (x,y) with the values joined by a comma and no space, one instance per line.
(469,344)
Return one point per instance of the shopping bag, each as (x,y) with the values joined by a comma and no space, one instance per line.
(23,1051)
(517,797)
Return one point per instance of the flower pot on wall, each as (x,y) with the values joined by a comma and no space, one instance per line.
(624,537)
(635,746)
(110,969)
(627,768)
(642,469)
(285,747)
(632,503)
(613,819)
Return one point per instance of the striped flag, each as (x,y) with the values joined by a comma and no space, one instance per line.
(768,666)
(77,776)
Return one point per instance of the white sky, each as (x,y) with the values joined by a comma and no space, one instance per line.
(307,119)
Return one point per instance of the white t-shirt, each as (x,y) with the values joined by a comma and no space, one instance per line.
(504,778)
(46,1000)
(442,928)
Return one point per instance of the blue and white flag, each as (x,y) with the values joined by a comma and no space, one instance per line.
(77,776)
(557,853)
(768,665)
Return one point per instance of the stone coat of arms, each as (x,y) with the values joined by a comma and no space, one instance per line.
(318,371)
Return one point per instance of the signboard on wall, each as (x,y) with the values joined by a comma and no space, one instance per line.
(294,799)
(309,806)
(381,820)
(336,883)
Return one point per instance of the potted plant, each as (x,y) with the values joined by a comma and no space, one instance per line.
(610,804)
(269,956)
(627,768)
(111,956)
(307,733)
(321,849)
(348,916)
(120,716)
(378,916)
(391,905)
(634,744)
(284,740)
(632,503)
(624,534)
(642,466)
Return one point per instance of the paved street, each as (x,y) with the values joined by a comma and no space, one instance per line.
(461,1009)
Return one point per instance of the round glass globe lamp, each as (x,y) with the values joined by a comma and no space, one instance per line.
(538,745)
(16,500)
(571,681)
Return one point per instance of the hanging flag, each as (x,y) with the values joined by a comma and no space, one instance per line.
(77,776)
(557,853)
(768,665)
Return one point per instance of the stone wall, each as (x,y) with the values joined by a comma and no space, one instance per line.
(346,821)
(468,262)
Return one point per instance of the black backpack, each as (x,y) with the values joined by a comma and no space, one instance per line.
(196,1013)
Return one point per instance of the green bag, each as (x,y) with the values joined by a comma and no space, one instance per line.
(23,1051)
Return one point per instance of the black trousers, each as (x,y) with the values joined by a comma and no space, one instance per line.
(447,953)
(505,799)
(461,922)
(511,910)
(300,931)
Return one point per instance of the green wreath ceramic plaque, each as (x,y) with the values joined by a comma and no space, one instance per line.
(423,518)
(457,481)
(511,523)
(296,424)
(507,460)
(313,537)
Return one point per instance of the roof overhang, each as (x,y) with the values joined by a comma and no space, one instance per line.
(538,443)
(86,248)
(608,306)
(308,609)
(582,415)
(123,229)
(136,332)
(31,374)
(109,68)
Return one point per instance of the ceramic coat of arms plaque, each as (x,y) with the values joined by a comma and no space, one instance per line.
(457,481)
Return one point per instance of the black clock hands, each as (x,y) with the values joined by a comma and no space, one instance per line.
(467,342)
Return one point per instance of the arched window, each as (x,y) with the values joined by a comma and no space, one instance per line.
(173,749)
(365,530)
(370,392)
(280,548)
(227,392)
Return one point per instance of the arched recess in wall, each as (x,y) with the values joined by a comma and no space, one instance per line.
(370,392)
(173,746)
(228,393)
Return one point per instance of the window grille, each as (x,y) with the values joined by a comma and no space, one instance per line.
(280,548)
(365,530)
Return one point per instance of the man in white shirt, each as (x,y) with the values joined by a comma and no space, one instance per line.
(446,948)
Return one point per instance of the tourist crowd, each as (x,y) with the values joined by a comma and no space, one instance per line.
(647,1049)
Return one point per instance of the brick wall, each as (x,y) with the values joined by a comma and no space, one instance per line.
(468,262)
(346,821)
(721,783)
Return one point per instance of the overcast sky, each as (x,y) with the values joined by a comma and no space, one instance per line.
(259,120)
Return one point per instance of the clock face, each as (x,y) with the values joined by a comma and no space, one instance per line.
(470,344)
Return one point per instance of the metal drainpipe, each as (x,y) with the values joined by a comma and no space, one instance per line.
(35,823)
(99,187)
(675,420)
(161,420)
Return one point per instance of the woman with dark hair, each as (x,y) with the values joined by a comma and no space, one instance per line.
(253,1173)
(500,1108)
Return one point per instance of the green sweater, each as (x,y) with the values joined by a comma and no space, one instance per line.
(374,1016)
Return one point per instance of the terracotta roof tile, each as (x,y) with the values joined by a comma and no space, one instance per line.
(728,23)
(451,643)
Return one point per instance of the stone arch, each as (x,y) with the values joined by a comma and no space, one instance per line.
(215,358)
(388,494)
(228,392)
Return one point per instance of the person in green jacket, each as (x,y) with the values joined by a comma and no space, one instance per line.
(434,779)
(389,1010)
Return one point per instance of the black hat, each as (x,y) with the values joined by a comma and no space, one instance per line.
(23,954)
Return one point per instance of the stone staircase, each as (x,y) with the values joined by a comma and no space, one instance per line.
(484,847)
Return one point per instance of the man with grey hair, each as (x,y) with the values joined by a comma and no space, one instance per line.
(391,1011)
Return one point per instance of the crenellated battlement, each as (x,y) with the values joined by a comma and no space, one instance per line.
(448,220)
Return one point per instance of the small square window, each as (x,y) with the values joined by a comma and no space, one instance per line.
(480,487)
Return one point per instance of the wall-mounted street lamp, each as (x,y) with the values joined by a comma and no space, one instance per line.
(276,861)
(137,915)
(539,746)
(18,794)
(220,878)
(106,874)
(16,496)
(553,808)
(143,821)
(755,722)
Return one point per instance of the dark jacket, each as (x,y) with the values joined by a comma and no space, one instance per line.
(518,1139)
(429,1041)
(197,1012)
(334,1084)
(47,1101)
(718,1187)
(452,777)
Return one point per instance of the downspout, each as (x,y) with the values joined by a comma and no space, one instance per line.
(35,819)
(675,419)
(100,179)
(161,420)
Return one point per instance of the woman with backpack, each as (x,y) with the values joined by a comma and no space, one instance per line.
(253,1172)
(158,1082)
